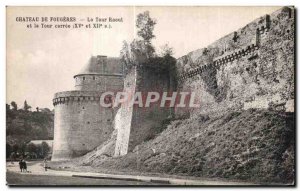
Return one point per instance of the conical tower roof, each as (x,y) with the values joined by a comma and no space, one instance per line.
(95,65)
(101,65)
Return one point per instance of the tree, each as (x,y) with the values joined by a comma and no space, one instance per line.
(26,106)
(8,150)
(145,25)
(14,105)
(7,107)
(139,51)
(47,110)
(166,50)
(22,148)
(15,148)
(31,148)
(9,113)
(134,54)
(125,55)
(44,149)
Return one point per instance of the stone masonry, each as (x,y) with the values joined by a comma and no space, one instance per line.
(80,123)
(252,67)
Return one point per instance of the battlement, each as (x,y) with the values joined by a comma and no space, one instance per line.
(76,96)
(100,74)
(249,68)
(240,44)
(221,60)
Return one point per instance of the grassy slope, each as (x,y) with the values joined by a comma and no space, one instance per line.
(250,145)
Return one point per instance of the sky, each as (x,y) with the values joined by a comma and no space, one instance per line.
(43,61)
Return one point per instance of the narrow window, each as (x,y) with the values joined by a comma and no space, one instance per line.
(83,78)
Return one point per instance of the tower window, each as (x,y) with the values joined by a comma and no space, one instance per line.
(94,77)
(83,78)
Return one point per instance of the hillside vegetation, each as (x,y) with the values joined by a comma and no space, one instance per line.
(253,145)
(23,126)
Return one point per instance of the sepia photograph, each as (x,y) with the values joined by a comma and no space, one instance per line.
(150,96)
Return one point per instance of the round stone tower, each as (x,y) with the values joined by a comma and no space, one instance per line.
(80,123)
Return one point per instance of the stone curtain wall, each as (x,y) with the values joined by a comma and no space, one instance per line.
(138,124)
(147,120)
(252,67)
(123,117)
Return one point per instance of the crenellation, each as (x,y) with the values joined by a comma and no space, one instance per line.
(222,60)
(258,55)
(71,99)
(74,108)
(237,71)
